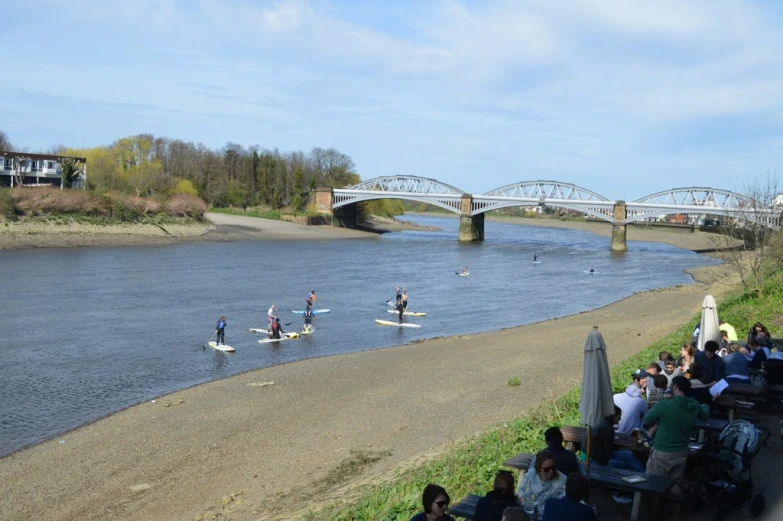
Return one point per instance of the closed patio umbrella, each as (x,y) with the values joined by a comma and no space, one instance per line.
(710,328)
(596,400)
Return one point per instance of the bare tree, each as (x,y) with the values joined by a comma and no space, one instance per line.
(5,143)
(749,238)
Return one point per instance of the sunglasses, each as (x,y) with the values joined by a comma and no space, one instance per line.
(549,469)
(442,504)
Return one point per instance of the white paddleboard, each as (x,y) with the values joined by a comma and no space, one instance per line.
(286,336)
(221,347)
(258,330)
(315,311)
(536,262)
(464,274)
(307,331)
(590,272)
(409,313)
(389,323)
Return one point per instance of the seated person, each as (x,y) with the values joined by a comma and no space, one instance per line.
(602,449)
(544,482)
(698,390)
(654,369)
(657,391)
(686,357)
(671,370)
(712,367)
(436,502)
(566,460)
(632,403)
(570,507)
(502,495)
(753,353)
(694,375)
(736,364)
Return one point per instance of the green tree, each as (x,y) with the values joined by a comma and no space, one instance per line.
(71,171)
(296,200)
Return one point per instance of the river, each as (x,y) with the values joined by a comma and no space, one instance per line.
(88,332)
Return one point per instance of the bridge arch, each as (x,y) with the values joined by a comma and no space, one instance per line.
(550,193)
(410,188)
(703,200)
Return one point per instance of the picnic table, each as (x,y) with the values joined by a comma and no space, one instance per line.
(710,424)
(466,508)
(633,482)
(747,390)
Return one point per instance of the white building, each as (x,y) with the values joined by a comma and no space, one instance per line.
(37,169)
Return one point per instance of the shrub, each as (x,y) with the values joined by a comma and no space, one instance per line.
(514,381)
(184,186)
(182,205)
(51,200)
(7,208)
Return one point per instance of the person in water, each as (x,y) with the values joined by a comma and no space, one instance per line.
(311,298)
(220,330)
(276,329)
(308,319)
(404,299)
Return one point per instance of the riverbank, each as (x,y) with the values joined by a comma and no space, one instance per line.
(219,228)
(264,450)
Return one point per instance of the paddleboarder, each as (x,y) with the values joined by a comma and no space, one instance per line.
(276,329)
(220,330)
(465,270)
(397,296)
(311,299)
(592,270)
(404,299)
(271,315)
(308,319)
(400,310)
(535,257)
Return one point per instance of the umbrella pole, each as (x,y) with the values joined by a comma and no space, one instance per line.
(589,447)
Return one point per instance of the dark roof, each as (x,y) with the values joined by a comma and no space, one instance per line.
(45,157)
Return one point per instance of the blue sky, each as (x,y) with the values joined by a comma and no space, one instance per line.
(623,97)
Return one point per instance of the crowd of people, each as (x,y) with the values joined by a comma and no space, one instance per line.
(659,406)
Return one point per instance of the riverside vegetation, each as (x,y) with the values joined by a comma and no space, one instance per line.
(469,466)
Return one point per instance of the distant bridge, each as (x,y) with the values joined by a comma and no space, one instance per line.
(471,208)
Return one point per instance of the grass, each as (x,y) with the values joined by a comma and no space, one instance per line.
(514,381)
(250,212)
(469,466)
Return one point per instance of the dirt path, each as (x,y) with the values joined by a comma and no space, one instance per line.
(248,449)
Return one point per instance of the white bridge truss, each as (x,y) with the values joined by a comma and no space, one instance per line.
(701,201)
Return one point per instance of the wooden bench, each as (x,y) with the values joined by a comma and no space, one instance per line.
(466,508)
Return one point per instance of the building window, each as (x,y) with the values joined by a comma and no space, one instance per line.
(50,165)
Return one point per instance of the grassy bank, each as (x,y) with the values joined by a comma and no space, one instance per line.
(52,205)
(468,466)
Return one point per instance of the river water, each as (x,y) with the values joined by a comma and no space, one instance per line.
(87,332)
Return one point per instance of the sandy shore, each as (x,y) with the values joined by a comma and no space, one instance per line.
(221,228)
(244,448)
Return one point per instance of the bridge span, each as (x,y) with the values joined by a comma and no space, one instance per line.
(341,203)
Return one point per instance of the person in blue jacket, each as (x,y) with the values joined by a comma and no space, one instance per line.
(570,507)
(308,319)
(220,329)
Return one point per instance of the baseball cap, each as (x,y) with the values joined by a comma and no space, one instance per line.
(640,373)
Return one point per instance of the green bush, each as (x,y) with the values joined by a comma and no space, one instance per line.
(7,209)
(514,381)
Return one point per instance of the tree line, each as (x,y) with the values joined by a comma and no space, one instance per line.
(145,165)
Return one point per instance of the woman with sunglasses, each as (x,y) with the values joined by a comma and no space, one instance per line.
(540,484)
(435,501)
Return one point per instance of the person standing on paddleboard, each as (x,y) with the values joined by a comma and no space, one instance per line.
(535,257)
(276,329)
(220,329)
(400,309)
(397,296)
(311,299)
(271,315)
(308,318)
(404,300)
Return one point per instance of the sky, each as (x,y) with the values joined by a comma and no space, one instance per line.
(622,97)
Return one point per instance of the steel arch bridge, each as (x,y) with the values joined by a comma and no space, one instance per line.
(693,200)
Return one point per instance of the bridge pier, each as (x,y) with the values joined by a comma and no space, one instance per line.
(618,227)
(471,227)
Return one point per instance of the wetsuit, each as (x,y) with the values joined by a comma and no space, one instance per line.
(398,298)
(220,327)
(400,310)
(275,330)
(308,318)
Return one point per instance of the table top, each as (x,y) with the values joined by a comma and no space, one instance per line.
(743,388)
(713,424)
(614,478)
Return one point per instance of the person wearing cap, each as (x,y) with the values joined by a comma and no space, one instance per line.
(713,369)
(675,419)
(632,403)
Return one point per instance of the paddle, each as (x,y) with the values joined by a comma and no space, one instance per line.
(288,323)
(207,342)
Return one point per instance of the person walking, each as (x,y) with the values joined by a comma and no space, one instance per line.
(220,330)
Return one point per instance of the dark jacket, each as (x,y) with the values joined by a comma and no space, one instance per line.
(565,508)
(491,506)
(603,441)
(564,459)
(712,370)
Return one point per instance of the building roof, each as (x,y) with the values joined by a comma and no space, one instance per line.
(45,157)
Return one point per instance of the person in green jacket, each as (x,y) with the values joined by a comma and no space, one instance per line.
(675,419)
